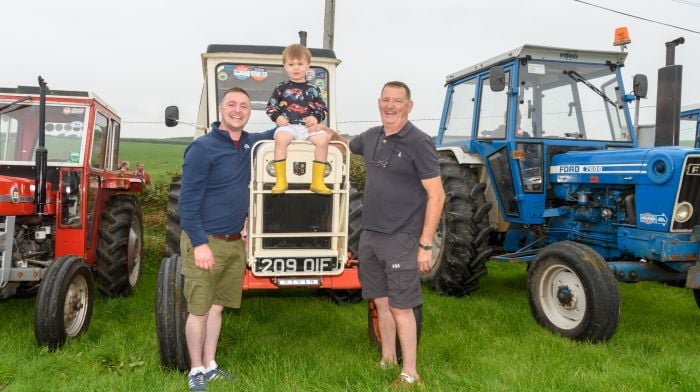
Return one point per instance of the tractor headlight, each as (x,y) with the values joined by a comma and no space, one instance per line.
(683,212)
(14,194)
(270,168)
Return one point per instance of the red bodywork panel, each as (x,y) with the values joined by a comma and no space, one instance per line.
(348,280)
(17,197)
(95,181)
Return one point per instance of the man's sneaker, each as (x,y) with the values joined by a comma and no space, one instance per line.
(220,374)
(197,382)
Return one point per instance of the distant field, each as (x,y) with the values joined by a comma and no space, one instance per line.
(160,159)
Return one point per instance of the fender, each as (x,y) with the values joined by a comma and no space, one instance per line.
(462,156)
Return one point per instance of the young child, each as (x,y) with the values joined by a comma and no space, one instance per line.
(294,106)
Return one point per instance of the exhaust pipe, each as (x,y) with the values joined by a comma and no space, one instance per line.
(668,98)
(41,152)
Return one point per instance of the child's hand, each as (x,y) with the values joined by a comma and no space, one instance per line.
(310,121)
(281,121)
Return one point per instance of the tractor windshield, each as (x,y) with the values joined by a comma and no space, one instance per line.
(689,131)
(572,101)
(259,81)
(19,125)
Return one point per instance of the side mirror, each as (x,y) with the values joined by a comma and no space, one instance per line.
(640,85)
(172,116)
(497,78)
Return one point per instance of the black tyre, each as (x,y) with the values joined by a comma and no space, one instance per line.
(354,220)
(572,292)
(375,338)
(341,297)
(171,315)
(64,303)
(461,245)
(172,225)
(120,247)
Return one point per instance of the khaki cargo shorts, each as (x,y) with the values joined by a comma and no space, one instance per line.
(223,285)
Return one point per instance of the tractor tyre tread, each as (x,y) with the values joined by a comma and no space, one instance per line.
(112,264)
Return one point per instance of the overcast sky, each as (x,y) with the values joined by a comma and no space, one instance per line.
(142,55)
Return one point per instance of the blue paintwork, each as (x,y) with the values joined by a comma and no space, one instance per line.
(584,197)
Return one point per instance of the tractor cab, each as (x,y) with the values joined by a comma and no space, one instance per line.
(529,104)
(690,125)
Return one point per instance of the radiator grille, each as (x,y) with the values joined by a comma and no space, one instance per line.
(690,192)
(297,213)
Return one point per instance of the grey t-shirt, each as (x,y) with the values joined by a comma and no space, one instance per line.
(395,199)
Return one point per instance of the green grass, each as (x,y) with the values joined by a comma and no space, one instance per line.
(296,341)
(160,160)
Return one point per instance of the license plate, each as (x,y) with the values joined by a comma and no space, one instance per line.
(274,265)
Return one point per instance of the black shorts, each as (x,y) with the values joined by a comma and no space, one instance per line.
(389,268)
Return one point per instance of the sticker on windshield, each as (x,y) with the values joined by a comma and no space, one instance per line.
(76,125)
(77,110)
(241,72)
(222,75)
(66,111)
(310,75)
(258,73)
(320,84)
(228,68)
(74,157)
(320,74)
(535,68)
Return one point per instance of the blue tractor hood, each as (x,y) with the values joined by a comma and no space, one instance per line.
(658,179)
(641,166)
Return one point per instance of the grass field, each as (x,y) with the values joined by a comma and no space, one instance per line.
(297,341)
(160,160)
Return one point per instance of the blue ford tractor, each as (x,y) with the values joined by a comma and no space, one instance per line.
(541,165)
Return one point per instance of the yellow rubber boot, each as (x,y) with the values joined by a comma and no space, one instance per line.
(281,173)
(317,184)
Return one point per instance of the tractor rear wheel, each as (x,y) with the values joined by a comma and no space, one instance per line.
(375,337)
(572,292)
(354,230)
(120,247)
(171,315)
(461,245)
(64,304)
(172,225)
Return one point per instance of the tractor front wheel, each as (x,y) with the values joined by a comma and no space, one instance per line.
(573,292)
(120,248)
(64,304)
(375,337)
(171,315)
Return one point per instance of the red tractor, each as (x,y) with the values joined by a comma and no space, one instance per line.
(66,211)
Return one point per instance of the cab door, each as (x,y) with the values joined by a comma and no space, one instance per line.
(490,139)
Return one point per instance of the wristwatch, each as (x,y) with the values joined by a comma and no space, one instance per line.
(425,247)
